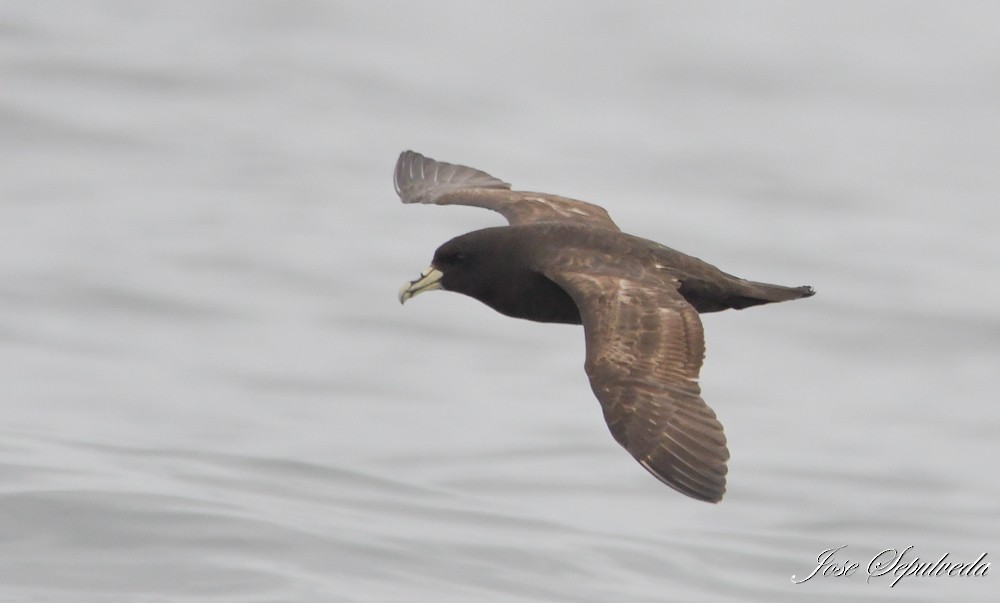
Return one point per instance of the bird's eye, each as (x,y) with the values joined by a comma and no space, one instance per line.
(454,257)
(450,257)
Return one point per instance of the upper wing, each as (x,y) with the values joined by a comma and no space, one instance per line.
(420,179)
(645,348)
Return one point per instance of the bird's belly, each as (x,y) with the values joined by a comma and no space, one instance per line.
(537,299)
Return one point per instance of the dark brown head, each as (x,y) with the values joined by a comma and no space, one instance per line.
(497,267)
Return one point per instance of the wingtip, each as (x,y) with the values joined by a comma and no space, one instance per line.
(713,499)
(408,156)
(713,496)
(404,167)
(710,490)
(421,179)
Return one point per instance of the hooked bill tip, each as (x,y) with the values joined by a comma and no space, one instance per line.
(429,280)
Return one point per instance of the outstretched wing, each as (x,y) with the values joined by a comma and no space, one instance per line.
(420,179)
(645,348)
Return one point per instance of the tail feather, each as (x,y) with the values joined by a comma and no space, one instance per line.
(756,294)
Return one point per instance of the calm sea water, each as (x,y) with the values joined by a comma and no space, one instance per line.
(210,392)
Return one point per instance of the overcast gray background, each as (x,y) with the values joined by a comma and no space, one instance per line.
(210,392)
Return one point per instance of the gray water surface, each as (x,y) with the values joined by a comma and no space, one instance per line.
(210,392)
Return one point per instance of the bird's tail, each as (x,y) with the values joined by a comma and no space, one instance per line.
(755,294)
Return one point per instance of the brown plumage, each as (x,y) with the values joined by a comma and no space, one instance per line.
(566,261)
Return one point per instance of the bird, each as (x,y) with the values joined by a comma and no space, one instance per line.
(560,260)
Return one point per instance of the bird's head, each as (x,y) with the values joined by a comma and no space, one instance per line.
(496,266)
(465,264)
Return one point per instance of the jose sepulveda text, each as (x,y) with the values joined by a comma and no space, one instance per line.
(895,564)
